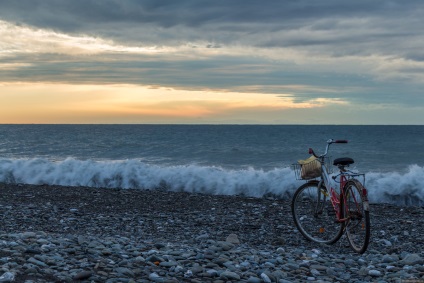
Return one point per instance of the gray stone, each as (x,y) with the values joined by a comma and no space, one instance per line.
(226,246)
(363,271)
(388,259)
(278,274)
(196,269)
(374,273)
(168,263)
(37,262)
(412,259)
(291,266)
(83,275)
(156,278)
(254,280)
(27,235)
(7,277)
(233,239)
(330,271)
(318,267)
(212,272)
(202,237)
(154,258)
(229,275)
(265,278)
(124,271)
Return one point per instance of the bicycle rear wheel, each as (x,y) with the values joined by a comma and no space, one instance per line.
(314,214)
(356,211)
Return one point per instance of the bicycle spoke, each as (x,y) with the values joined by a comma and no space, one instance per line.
(314,215)
(358,222)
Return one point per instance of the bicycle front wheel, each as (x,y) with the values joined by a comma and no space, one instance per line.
(356,211)
(314,214)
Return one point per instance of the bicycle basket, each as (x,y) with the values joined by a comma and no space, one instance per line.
(307,169)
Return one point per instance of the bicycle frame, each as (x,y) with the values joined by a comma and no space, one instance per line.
(331,191)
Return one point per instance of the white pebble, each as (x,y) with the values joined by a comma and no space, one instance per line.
(387,243)
(265,278)
(281,250)
(374,272)
(316,251)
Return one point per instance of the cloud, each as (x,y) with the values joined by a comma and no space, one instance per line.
(362,51)
(277,23)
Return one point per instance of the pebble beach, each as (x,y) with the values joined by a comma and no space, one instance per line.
(80,234)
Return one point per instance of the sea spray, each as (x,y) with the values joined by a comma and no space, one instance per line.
(139,175)
(390,187)
(398,188)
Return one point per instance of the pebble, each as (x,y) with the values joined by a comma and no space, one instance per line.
(177,262)
(374,272)
(199,249)
(412,259)
(265,278)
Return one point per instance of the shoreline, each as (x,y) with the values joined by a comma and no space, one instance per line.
(187,232)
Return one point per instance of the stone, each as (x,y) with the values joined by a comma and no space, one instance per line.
(124,271)
(212,272)
(202,237)
(155,277)
(233,239)
(412,259)
(27,235)
(7,277)
(168,263)
(226,246)
(265,278)
(156,245)
(363,271)
(83,275)
(281,250)
(37,262)
(229,275)
(254,280)
(388,259)
(374,273)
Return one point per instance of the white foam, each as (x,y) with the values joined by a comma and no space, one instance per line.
(136,174)
(397,188)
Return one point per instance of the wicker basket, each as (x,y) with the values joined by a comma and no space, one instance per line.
(310,168)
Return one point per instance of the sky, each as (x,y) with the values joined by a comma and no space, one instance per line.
(212,62)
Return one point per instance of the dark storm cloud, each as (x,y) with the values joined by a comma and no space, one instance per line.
(195,12)
(390,31)
(238,16)
(332,27)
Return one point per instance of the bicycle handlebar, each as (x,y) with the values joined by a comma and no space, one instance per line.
(330,141)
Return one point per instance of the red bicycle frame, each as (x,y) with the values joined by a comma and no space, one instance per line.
(335,198)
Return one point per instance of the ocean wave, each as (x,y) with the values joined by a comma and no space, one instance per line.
(394,187)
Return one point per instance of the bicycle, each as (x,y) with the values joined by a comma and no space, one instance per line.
(322,214)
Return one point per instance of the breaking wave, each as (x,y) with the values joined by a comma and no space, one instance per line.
(394,187)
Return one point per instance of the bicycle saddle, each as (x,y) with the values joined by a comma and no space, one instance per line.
(343,161)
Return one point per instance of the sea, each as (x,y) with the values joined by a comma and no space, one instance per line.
(248,160)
